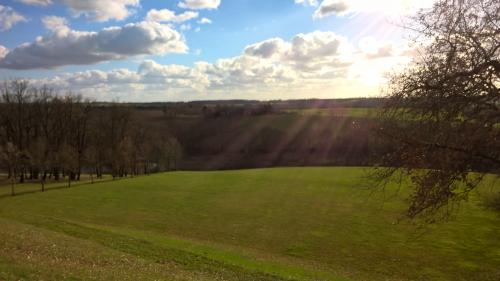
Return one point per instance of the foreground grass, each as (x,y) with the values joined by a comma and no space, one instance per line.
(267,224)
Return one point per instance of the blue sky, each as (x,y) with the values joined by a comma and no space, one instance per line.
(244,49)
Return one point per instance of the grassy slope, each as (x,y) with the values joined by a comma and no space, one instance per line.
(267,224)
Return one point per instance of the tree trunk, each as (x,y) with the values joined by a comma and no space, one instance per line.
(12,183)
(56,174)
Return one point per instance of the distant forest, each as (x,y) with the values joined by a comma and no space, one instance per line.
(45,135)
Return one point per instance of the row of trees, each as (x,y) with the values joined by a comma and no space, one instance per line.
(231,111)
(44,135)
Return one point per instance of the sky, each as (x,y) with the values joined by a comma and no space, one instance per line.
(179,50)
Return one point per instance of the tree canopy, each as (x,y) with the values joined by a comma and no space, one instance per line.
(442,118)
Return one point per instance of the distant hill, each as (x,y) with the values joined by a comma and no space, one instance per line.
(281,104)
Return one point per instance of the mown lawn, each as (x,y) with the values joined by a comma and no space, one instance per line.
(264,224)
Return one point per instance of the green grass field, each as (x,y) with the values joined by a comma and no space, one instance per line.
(352,112)
(264,224)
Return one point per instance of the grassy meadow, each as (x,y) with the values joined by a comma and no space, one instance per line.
(262,224)
(348,112)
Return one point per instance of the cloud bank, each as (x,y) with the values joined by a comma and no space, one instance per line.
(317,63)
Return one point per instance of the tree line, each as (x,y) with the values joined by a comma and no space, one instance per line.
(45,135)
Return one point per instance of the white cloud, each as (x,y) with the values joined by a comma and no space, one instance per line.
(56,24)
(151,69)
(205,21)
(99,10)
(199,4)
(166,15)
(80,47)
(96,10)
(331,7)
(311,52)
(307,2)
(3,51)
(317,45)
(37,2)
(268,48)
(389,7)
(9,18)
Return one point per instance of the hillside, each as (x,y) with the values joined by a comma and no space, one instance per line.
(288,136)
(264,224)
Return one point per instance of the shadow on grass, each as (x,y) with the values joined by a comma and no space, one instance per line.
(59,186)
(493,203)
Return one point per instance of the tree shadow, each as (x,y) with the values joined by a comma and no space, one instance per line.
(57,187)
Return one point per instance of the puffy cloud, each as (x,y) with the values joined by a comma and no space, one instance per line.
(331,7)
(37,2)
(199,4)
(101,10)
(166,15)
(317,45)
(309,52)
(268,48)
(80,47)
(56,24)
(315,64)
(205,21)
(303,47)
(9,18)
(97,10)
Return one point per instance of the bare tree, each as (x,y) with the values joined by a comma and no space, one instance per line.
(38,160)
(44,135)
(68,159)
(442,117)
(11,155)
